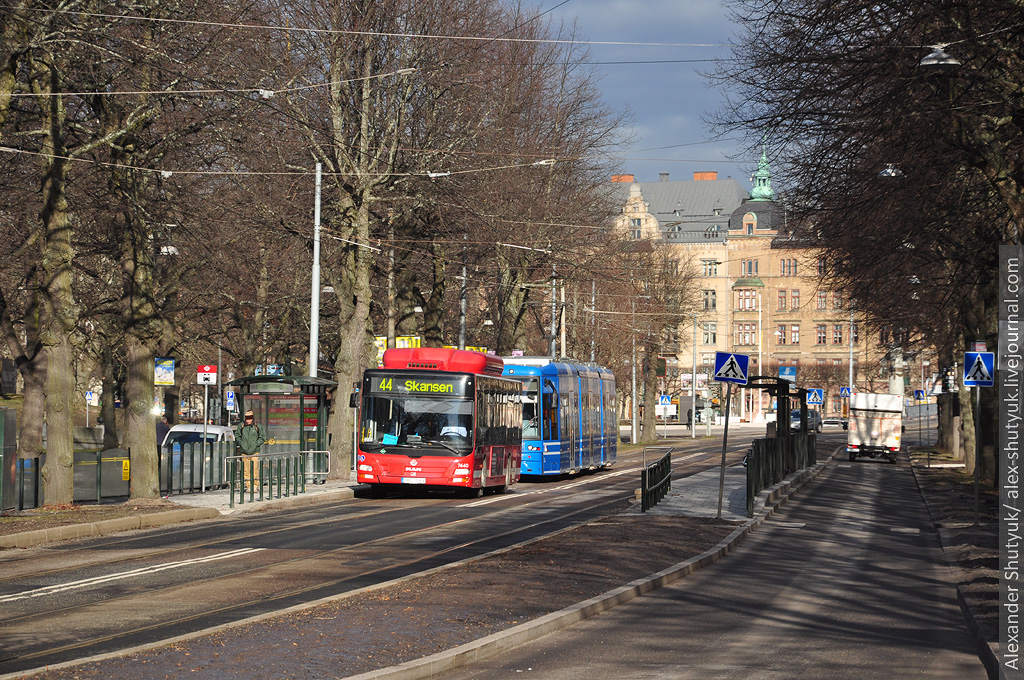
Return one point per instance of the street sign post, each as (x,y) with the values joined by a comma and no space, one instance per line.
(815,396)
(788,373)
(206,375)
(979,371)
(729,368)
(88,400)
(845,392)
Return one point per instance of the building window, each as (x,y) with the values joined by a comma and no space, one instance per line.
(837,334)
(787,267)
(747,300)
(821,333)
(746,334)
(837,404)
(780,334)
(711,334)
(710,300)
(822,300)
(822,266)
(837,300)
(854,334)
(709,267)
(782,300)
(796,300)
(635,230)
(794,334)
(819,362)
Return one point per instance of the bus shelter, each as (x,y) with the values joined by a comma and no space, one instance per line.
(291,409)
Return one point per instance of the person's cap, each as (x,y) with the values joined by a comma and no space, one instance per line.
(249,414)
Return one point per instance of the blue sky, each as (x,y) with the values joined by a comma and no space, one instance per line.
(668,100)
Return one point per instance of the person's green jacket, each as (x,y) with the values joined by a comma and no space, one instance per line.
(249,438)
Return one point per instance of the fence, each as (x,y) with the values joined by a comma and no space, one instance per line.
(280,474)
(771,459)
(655,479)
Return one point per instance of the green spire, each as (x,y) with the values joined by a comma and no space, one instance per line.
(762,179)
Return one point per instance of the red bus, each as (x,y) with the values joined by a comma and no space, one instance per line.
(439,418)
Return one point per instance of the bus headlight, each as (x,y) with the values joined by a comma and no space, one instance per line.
(365,468)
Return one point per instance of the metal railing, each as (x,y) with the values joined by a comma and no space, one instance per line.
(276,475)
(772,459)
(190,469)
(655,479)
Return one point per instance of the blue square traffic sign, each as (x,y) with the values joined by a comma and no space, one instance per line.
(731,368)
(979,369)
(815,396)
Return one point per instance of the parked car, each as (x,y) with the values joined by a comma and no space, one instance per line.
(192,433)
(835,420)
(813,420)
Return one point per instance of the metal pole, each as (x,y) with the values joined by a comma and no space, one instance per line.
(593,321)
(693,383)
(462,299)
(206,420)
(561,323)
(314,307)
(725,441)
(977,448)
(633,434)
(554,304)
(756,394)
(391,282)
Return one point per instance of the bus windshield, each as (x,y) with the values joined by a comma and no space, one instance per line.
(440,427)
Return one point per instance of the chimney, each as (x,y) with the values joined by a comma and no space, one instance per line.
(705,176)
(623,178)
(662,176)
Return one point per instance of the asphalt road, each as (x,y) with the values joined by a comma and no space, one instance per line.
(68,601)
(843,583)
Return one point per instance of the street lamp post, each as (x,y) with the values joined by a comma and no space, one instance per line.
(693,384)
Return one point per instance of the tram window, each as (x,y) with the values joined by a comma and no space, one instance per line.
(550,406)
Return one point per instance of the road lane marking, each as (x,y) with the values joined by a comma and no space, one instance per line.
(571,485)
(142,571)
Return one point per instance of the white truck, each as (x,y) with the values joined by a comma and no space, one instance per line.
(876,425)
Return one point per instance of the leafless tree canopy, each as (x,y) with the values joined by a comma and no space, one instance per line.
(157,171)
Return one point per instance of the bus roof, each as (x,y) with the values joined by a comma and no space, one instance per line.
(442,359)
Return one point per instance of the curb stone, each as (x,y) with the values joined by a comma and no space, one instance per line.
(28,539)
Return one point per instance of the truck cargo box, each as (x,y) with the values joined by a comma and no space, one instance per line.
(876,425)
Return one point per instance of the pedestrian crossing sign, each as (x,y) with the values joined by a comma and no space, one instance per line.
(979,369)
(844,391)
(815,396)
(664,400)
(731,368)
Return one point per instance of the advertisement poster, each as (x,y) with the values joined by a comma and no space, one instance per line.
(164,373)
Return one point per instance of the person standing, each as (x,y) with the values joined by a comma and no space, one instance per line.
(162,428)
(249,438)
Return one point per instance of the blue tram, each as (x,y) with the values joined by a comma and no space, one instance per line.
(569,416)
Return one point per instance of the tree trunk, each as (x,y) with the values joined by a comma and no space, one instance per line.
(107,410)
(354,295)
(140,424)
(59,316)
(433,313)
(649,423)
